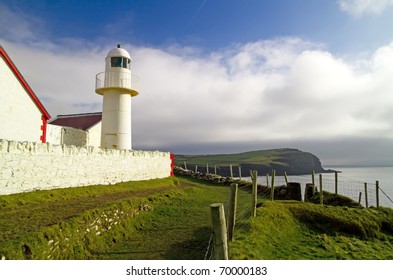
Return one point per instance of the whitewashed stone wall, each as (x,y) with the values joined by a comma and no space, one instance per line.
(28,166)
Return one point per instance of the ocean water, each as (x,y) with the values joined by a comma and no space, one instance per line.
(350,183)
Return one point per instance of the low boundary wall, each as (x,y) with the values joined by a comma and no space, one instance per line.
(28,166)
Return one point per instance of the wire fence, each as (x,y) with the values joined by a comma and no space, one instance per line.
(365,193)
(348,187)
(243,213)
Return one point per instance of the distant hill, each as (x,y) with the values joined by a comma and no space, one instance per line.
(291,161)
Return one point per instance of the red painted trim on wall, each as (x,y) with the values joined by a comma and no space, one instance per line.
(172,164)
(45,115)
(43,129)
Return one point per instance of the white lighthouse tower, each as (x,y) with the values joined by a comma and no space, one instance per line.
(117,85)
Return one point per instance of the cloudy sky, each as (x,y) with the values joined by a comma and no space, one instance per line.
(221,76)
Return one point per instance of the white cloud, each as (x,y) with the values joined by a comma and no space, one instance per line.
(281,89)
(284,89)
(359,7)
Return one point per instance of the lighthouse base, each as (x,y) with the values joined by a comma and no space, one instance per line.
(116,120)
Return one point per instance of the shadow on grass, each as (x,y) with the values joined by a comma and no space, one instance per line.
(193,248)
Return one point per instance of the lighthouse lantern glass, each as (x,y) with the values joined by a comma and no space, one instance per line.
(120,62)
(116,61)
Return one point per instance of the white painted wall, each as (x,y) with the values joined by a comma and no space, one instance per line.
(20,119)
(28,166)
(53,134)
(56,134)
(94,138)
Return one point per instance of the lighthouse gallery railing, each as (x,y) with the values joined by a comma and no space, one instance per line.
(117,80)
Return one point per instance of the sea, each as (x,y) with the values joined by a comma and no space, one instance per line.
(351,183)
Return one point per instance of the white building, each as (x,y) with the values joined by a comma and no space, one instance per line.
(22,115)
(75,129)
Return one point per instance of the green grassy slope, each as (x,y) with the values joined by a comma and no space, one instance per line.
(170,219)
(297,230)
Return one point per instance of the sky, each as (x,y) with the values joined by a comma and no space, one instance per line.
(221,76)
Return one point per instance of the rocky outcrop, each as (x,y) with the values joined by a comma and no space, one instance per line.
(291,161)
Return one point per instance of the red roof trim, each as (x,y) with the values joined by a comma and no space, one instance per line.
(24,83)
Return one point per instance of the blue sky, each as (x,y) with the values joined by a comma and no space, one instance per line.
(222,76)
(209,24)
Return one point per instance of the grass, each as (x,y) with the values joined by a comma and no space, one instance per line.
(177,228)
(31,220)
(170,219)
(295,230)
(105,222)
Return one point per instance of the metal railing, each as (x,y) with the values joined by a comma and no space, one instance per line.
(117,80)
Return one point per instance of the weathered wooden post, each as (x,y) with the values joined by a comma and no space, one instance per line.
(377,192)
(207,168)
(254,177)
(336,182)
(215,169)
(232,211)
(366,194)
(267,179)
(219,231)
(320,190)
(185,166)
(272,188)
(240,172)
(196,168)
(230,171)
(313,177)
(286,178)
(360,197)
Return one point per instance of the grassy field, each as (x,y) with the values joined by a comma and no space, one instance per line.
(170,219)
(289,230)
(105,222)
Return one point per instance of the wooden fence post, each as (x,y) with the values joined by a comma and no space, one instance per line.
(185,166)
(240,172)
(320,190)
(313,177)
(215,169)
(336,182)
(360,197)
(196,168)
(207,168)
(272,188)
(286,178)
(219,231)
(377,192)
(232,211)
(366,194)
(230,171)
(267,179)
(254,177)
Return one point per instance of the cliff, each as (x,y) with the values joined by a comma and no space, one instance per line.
(291,161)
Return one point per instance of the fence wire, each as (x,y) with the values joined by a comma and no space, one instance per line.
(210,248)
(345,186)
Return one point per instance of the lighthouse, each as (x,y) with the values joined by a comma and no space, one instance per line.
(118,86)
